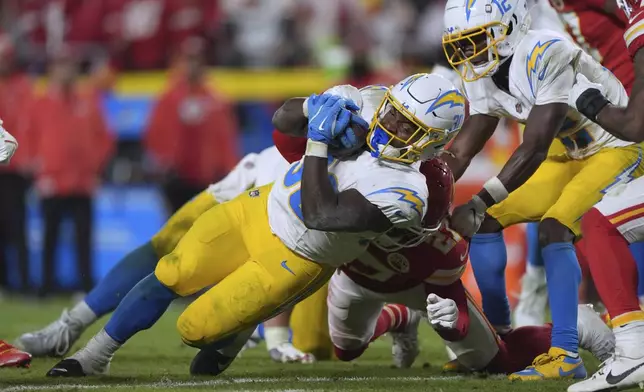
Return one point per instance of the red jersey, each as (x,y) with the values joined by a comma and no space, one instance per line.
(440,261)
(599,34)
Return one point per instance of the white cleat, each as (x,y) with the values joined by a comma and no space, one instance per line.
(594,334)
(405,344)
(287,353)
(54,340)
(618,372)
(531,308)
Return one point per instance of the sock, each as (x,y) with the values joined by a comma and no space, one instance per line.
(563,276)
(140,309)
(109,292)
(97,352)
(519,347)
(393,318)
(637,250)
(83,314)
(275,336)
(611,264)
(534,250)
(488,257)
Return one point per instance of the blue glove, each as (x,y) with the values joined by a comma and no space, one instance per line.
(329,119)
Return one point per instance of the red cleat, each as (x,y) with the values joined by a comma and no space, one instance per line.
(12,357)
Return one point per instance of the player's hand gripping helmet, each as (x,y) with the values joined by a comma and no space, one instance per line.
(416,118)
(440,185)
(481,34)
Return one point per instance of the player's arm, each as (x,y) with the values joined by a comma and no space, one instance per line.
(324,209)
(544,122)
(290,118)
(469,141)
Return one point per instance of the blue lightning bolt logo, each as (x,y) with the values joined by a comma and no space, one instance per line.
(408,196)
(450,97)
(625,176)
(534,61)
(468,8)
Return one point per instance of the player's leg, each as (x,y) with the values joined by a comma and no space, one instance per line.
(487,251)
(57,338)
(608,228)
(251,294)
(211,249)
(531,308)
(310,326)
(597,175)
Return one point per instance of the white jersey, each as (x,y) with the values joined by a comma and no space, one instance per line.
(399,191)
(253,170)
(542,71)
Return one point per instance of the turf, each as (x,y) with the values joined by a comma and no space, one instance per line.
(156,360)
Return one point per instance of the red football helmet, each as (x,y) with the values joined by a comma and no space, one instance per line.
(440,184)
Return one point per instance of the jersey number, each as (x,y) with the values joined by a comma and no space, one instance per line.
(293,178)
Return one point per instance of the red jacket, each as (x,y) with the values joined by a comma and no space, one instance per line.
(16,92)
(71,143)
(193,132)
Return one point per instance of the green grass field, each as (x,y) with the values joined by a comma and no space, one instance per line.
(157,360)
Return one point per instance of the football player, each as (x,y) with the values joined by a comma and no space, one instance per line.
(275,245)
(597,26)
(513,72)
(427,278)
(616,222)
(9,355)
(56,339)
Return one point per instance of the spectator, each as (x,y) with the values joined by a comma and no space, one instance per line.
(71,146)
(192,133)
(15,92)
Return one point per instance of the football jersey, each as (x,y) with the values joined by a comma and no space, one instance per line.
(599,34)
(253,170)
(542,71)
(440,260)
(399,191)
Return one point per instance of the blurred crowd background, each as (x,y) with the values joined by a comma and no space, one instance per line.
(125,109)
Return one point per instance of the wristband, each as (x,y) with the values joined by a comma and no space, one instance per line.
(316,149)
(305,107)
(590,103)
(479,204)
(496,189)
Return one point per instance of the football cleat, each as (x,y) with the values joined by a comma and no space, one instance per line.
(54,340)
(69,367)
(287,353)
(405,343)
(209,362)
(531,308)
(12,357)
(555,364)
(454,366)
(618,372)
(594,334)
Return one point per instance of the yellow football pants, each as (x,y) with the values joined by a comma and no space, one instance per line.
(310,325)
(565,189)
(180,222)
(232,247)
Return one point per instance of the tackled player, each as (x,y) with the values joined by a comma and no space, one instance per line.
(273,246)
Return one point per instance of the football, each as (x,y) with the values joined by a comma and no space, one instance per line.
(338,151)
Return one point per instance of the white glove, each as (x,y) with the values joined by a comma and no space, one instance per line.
(8,146)
(467,218)
(441,312)
(582,84)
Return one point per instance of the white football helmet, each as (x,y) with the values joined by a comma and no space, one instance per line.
(481,34)
(416,118)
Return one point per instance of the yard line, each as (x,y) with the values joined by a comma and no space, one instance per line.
(167,384)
